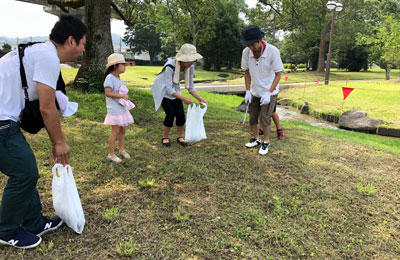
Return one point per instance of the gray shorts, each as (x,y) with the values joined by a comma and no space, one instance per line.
(266,110)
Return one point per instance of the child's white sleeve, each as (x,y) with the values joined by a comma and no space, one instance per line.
(108,82)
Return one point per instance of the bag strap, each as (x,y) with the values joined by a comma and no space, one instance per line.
(168,65)
(61,84)
(21,53)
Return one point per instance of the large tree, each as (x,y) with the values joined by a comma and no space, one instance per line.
(384,44)
(309,20)
(382,36)
(99,42)
(187,20)
(143,37)
(225,49)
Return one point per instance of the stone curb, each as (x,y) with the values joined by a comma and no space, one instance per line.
(388,131)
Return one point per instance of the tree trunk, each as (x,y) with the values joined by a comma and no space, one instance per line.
(321,55)
(98,43)
(387,69)
(322,43)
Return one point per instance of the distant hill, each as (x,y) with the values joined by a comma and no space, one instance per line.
(116,39)
(15,41)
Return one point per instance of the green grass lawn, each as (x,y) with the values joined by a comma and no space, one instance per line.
(313,76)
(318,194)
(380,99)
(144,76)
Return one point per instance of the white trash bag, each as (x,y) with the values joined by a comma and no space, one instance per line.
(66,201)
(195,130)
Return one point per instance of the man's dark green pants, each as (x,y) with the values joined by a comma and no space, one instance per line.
(20,204)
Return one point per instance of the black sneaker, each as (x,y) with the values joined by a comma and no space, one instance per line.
(21,239)
(253,143)
(264,148)
(49,225)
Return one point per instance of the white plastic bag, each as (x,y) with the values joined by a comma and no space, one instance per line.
(195,130)
(66,201)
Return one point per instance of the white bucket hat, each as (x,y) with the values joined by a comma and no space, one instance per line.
(188,53)
(115,58)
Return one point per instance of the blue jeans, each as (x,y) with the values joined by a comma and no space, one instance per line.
(20,204)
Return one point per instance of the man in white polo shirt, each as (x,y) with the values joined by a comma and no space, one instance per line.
(263,69)
(21,220)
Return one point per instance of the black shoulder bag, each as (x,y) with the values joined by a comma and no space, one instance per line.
(31,119)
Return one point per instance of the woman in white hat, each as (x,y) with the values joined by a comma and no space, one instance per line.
(118,116)
(170,98)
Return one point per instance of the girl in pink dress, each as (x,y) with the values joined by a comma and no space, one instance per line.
(118,116)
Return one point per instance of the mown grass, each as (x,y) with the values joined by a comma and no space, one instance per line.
(378,98)
(335,74)
(144,76)
(318,194)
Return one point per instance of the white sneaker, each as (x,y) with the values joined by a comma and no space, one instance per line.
(264,148)
(253,143)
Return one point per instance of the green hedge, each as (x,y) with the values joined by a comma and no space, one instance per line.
(291,66)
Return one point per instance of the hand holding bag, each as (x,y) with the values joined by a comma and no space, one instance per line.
(66,201)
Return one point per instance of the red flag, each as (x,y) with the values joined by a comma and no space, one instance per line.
(346,92)
(318,82)
(286,78)
(234,76)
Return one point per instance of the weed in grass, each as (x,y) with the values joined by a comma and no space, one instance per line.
(236,247)
(148,182)
(69,253)
(241,232)
(218,242)
(44,248)
(257,218)
(277,204)
(179,215)
(127,248)
(111,214)
(165,168)
(367,190)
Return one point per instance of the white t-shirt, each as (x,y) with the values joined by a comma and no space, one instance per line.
(262,70)
(41,64)
(113,107)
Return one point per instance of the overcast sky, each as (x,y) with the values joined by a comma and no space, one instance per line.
(19,19)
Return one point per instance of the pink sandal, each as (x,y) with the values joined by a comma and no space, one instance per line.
(113,158)
(125,154)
